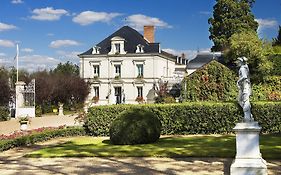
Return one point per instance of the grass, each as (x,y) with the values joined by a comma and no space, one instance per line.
(174,146)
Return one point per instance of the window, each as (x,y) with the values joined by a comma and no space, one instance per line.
(117,48)
(96,70)
(140,91)
(140,70)
(96,91)
(117,70)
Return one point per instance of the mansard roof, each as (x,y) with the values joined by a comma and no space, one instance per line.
(132,39)
(202,58)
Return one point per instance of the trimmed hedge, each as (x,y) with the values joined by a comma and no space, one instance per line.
(190,118)
(4,113)
(40,137)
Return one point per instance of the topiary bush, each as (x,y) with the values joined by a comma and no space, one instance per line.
(135,126)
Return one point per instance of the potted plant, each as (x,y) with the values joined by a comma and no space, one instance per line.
(139,99)
(23,122)
(140,77)
(117,77)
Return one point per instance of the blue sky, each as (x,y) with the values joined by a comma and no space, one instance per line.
(53,31)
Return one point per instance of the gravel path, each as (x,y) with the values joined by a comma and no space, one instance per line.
(12,162)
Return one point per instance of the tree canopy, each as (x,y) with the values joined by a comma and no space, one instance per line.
(248,44)
(67,68)
(229,17)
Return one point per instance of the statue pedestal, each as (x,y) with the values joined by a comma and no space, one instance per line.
(248,159)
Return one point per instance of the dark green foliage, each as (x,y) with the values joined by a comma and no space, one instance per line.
(40,137)
(67,68)
(135,126)
(213,82)
(277,40)
(229,17)
(189,118)
(38,111)
(276,60)
(5,92)
(269,90)
(4,113)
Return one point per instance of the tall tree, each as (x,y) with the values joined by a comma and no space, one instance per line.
(5,92)
(229,17)
(67,68)
(248,44)
(277,41)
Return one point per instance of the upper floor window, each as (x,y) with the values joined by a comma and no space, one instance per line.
(140,70)
(96,70)
(117,70)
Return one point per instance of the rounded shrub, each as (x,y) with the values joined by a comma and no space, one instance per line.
(135,126)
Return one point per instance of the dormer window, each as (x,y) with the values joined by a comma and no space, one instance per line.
(117,46)
(96,50)
(139,48)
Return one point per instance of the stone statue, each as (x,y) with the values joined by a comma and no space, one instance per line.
(244,87)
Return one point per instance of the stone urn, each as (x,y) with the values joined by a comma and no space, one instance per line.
(61,109)
(23,125)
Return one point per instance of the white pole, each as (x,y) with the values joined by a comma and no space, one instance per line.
(17,57)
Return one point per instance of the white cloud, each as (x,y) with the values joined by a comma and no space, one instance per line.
(63,43)
(138,21)
(7,43)
(48,14)
(89,17)
(37,62)
(266,23)
(189,54)
(4,27)
(16,1)
(28,50)
(2,54)
(68,55)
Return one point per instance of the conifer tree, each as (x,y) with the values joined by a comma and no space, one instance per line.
(277,41)
(229,17)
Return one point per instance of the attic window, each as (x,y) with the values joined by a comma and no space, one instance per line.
(96,50)
(139,48)
(117,46)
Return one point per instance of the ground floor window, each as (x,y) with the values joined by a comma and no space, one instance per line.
(140,91)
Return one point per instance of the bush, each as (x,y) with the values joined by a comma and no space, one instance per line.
(190,118)
(39,137)
(4,113)
(213,82)
(135,126)
(38,111)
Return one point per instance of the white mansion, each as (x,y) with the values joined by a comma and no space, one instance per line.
(124,67)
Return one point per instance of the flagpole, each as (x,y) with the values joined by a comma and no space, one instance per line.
(17,57)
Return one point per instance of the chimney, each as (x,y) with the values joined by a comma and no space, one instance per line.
(148,33)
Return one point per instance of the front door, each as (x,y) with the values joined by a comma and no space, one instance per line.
(118,95)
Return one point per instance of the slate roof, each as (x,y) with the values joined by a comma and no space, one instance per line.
(132,39)
(201,59)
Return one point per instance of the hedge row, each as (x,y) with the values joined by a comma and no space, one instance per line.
(40,137)
(4,113)
(190,118)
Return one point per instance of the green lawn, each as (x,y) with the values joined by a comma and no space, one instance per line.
(173,146)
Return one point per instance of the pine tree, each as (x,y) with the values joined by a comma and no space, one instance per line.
(229,17)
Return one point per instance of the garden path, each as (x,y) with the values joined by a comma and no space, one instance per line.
(8,127)
(13,162)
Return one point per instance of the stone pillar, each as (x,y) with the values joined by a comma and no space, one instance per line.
(248,158)
(19,97)
(61,109)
